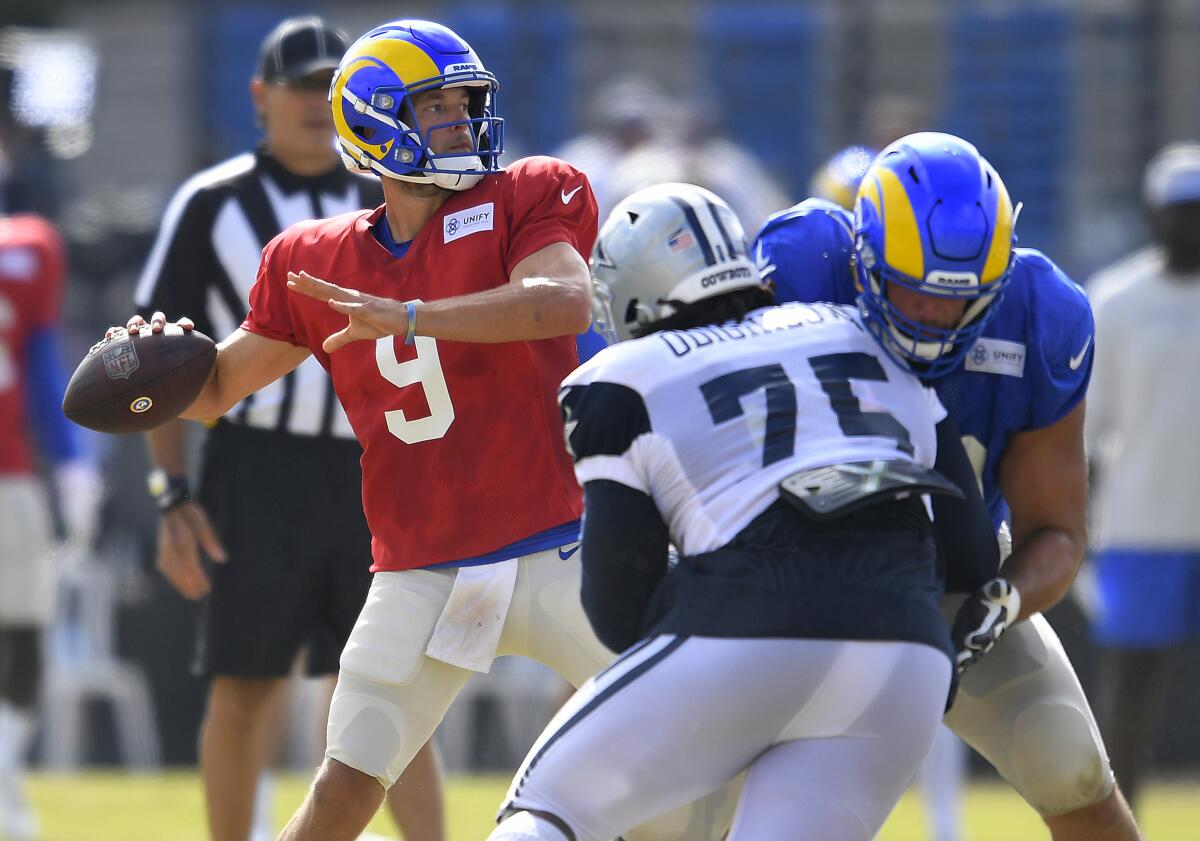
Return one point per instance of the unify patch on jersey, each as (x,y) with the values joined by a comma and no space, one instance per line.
(469,221)
(997,356)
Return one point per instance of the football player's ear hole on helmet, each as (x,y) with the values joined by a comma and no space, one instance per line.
(633,217)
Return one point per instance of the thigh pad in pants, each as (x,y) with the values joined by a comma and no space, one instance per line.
(1021,706)
(390,696)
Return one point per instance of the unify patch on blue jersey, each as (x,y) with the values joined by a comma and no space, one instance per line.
(1029,369)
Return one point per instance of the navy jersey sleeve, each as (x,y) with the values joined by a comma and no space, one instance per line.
(1063,331)
(967,546)
(805,252)
(624,541)
(624,556)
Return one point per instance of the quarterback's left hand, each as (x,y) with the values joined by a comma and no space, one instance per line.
(370,317)
(983,617)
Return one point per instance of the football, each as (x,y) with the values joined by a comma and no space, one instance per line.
(132,383)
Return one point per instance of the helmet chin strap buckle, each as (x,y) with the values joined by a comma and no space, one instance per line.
(469,172)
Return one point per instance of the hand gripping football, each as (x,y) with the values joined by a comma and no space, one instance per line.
(131,383)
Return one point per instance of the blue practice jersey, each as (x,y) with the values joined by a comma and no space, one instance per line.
(1030,367)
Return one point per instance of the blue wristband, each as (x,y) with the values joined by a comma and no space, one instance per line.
(411,333)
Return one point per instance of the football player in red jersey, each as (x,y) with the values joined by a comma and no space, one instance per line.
(446,319)
(32,380)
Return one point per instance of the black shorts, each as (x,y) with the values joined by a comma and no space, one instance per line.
(289,512)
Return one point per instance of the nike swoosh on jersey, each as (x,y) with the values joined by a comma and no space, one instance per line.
(566,197)
(1076,361)
(566,556)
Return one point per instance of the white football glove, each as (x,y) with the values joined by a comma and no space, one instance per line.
(981,620)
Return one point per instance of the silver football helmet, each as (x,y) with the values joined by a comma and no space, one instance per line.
(665,245)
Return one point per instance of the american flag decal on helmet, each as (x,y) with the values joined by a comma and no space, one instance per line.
(680,240)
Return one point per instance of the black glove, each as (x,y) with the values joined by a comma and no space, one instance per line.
(983,617)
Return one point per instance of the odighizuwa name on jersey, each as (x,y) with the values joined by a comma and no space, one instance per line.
(787,389)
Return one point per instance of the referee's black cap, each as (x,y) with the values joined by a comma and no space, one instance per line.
(300,46)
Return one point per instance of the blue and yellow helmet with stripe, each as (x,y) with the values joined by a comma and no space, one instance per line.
(933,216)
(372,98)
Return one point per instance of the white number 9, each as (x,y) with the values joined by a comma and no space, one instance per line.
(426,369)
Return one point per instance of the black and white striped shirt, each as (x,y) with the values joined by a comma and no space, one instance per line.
(206,256)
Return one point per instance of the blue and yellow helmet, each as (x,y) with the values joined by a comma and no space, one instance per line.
(932,216)
(377,129)
(839,177)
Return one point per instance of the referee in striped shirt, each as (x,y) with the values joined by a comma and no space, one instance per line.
(292,557)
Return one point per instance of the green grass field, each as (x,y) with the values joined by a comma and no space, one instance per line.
(167,807)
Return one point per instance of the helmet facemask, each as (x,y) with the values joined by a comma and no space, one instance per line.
(930,351)
(410,156)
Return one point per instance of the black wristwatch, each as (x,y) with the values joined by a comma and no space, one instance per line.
(169,492)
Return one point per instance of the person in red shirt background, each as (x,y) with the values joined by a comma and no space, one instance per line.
(32,381)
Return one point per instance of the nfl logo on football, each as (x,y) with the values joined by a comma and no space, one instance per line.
(120,361)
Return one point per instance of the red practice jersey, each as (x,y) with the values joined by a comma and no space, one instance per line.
(463,444)
(31,280)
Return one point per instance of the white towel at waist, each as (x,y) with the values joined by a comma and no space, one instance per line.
(468,630)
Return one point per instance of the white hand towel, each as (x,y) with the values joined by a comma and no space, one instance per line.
(468,630)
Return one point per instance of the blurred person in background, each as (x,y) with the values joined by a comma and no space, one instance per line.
(628,112)
(1140,434)
(890,116)
(933,216)
(28,174)
(695,152)
(276,590)
(32,381)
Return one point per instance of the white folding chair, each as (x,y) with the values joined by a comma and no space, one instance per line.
(83,667)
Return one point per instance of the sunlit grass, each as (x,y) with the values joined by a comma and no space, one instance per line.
(168,807)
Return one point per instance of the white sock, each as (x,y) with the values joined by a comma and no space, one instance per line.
(16,731)
(17,820)
(942,778)
(523,826)
(264,797)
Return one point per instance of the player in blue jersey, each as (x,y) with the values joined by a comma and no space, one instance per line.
(933,216)
(942,778)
